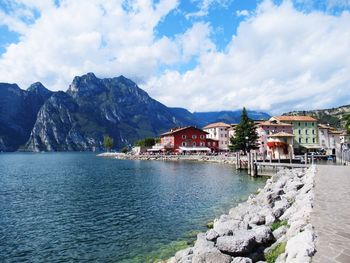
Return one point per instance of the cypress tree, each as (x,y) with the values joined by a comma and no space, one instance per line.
(245,137)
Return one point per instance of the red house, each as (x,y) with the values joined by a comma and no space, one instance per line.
(188,139)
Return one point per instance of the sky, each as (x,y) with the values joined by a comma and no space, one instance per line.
(268,55)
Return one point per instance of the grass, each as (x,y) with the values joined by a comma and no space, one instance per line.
(272,255)
(278,224)
(210,224)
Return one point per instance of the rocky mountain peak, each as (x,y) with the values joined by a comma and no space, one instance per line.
(85,85)
(39,89)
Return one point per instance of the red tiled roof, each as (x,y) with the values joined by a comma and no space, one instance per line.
(217,124)
(270,123)
(294,118)
(176,130)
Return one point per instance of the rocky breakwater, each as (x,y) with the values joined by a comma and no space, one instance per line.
(272,226)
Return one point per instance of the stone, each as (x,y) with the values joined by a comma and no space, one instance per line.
(262,235)
(280,207)
(211,235)
(183,253)
(301,246)
(241,260)
(242,242)
(226,225)
(279,232)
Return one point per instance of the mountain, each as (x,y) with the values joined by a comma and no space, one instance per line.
(204,118)
(91,108)
(333,116)
(18,110)
(37,119)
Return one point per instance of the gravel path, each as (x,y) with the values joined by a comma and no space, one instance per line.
(331,214)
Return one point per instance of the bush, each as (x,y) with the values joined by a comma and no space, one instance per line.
(278,224)
(273,254)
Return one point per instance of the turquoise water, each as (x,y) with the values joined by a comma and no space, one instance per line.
(76,207)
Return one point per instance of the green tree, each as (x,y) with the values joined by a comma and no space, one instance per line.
(148,142)
(347,125)
(107,142)
(245,134)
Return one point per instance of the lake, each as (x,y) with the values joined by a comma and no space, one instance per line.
(76,207)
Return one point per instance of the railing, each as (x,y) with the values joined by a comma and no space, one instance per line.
(343,157)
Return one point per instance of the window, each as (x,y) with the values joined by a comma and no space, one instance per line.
(194,136)
(214,143)
(305,131)
(305,123)
(299,140)
(312,123)
(313,140)
(201,144)
(313,131)
(298,123)
(202,136)
(299,131)
(184,143)
(208,143)
(220,129)
(194,144)
(183,136)
(307,140)
(222,135)
(225,135)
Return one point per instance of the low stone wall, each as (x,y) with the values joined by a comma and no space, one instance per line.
(272,226)
(200,158)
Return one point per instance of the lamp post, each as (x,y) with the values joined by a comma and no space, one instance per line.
(246,143)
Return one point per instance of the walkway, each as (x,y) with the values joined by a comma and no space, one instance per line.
(331,216)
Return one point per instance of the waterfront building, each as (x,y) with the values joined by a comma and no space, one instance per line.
(305,132)
(188,139)
(267,128)
(345,140)
(329,138)
(219,131)
(280,145)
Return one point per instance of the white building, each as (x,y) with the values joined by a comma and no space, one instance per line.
(329,138)
(219,131)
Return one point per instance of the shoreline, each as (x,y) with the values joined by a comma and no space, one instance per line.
(271,226)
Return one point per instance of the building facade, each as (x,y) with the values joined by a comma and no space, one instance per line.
(219,131)
(267,128)
(187,139)
(305,131)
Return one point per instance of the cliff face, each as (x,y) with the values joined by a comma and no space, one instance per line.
(18,110)
(91,108)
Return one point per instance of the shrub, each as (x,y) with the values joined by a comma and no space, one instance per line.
(273,254)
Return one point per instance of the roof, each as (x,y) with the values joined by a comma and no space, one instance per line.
(294,118)
(324,126)
(176,130)
(270,123)
(217,124)
(335,132)
(282,134)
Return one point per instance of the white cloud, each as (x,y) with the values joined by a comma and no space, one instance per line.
(205,5)
(242,13)
(280,59)
(81,36)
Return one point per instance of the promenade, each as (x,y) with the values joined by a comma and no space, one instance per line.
(331,215)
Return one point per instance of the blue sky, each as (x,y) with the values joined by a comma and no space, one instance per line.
(203,55)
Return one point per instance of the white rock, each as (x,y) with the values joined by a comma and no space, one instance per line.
(241,260)
(301,246)
(242,242)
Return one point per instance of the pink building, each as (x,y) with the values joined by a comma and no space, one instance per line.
(267,128)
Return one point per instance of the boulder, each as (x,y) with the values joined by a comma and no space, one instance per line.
(183,253)
(211,235)
(280,207)
(226,225)
(241,260)
(262,235)
(301,247)
(242,242)
(279,232)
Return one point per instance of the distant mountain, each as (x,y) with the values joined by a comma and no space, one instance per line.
(37,119)
(18,111)
(334,116)
(230,117)
(91,108)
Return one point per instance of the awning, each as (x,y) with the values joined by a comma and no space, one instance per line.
(311,146)
(195,149)
(154,150)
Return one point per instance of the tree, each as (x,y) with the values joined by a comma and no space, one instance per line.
(107,142)
(245,134)
(347,125)
(148,142)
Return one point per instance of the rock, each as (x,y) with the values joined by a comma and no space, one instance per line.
(279,232)
(280,207)
(183,253)
(262,235)
(242,242)
(226,225)
(301,246)
(211,235)
(241,260)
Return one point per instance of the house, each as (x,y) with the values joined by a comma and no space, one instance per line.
(219,131)
(345,140)
(186,140)
(267,128)
(329,138)
(305,132)
(280,145)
